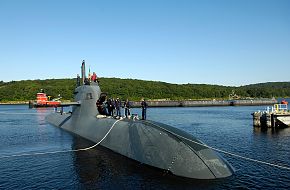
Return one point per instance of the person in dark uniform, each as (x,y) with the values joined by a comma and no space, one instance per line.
(87,82)
(118,107)
(101,105)
(144,106)
(110,107)
(127,107)
(113,107)
(78,80)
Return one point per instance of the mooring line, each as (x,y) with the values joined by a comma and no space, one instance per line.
(225,152)
(63,151)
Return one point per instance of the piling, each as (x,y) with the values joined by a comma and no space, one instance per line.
(257,119)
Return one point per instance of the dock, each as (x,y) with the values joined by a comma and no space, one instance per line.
(205,103)
(277,116)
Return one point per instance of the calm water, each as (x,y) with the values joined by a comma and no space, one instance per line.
(228,128)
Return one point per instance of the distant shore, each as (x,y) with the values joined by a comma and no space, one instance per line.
(185,103)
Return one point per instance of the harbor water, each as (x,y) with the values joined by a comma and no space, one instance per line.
(24,130)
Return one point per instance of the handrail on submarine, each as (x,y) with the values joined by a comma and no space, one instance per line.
(66,104)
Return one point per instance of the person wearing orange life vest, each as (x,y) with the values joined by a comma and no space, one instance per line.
(94,77)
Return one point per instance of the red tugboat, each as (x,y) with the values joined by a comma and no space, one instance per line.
(43,101)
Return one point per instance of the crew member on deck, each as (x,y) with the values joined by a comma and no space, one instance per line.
(118,107)
(78,80)
(127,107)
(110,107)
(144,106)
(94,77)
(101,105)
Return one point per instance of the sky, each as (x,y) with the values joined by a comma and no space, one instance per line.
(224,42)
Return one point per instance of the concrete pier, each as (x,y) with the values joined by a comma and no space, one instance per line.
(277,116)
(204,103)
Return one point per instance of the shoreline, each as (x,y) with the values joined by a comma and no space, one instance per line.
(184,103)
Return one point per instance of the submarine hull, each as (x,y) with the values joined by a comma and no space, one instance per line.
(151,143)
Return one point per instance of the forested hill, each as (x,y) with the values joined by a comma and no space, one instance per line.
(136,89)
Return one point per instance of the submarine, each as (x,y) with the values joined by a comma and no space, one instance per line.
(145,141)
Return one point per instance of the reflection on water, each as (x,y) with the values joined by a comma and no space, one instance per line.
(41,113)
(271,131)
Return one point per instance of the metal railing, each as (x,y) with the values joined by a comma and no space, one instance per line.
(278,108)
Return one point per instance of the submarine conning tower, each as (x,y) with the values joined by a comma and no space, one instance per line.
(86,95)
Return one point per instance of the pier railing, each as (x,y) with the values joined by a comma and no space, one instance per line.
(277,108)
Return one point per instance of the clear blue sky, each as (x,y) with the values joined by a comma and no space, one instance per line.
(225,42)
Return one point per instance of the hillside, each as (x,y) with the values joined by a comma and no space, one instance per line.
(269,89)
(136,89)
